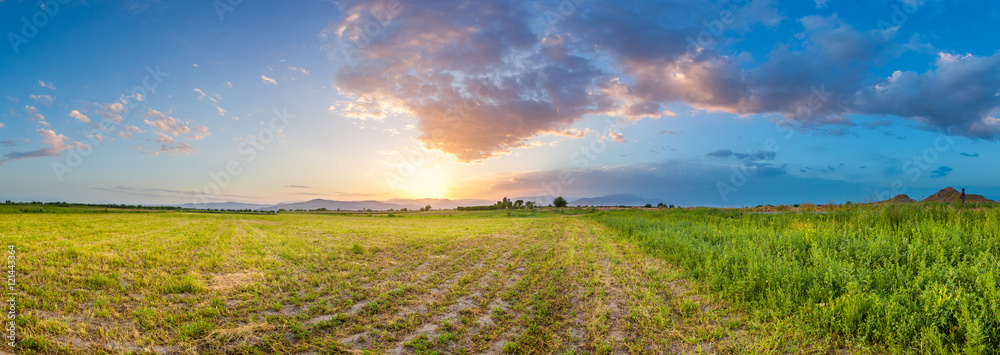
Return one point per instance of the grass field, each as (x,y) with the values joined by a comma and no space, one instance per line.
(916,279)
(299,283)
(910,278)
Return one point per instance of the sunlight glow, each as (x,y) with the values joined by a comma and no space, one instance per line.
(426,183)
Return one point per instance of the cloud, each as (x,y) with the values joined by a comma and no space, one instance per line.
(618,137)
(959,94)
(769,170)
(974,155)
(55,145)
(34,114)
(8,142)
(112,112)
(1,125)
(754,162)
(482,79)
(43,99)
(46,85)
(79,116)
(228,85)
(201,93)
(158,192)
(821,4)
(940,172)
(168,129)
(175,127)
(127,132)
(757,155)
(297,187)
(221,110)
(268,80)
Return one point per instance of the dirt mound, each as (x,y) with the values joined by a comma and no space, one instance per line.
(901,198)
(949,195)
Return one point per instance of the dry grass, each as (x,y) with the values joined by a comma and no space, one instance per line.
(228,282)
(472,283)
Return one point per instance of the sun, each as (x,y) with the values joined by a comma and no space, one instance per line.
(426,183)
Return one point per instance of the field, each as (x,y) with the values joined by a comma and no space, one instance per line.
(867,280)
(918,278)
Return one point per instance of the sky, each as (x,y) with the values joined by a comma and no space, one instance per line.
(693,102)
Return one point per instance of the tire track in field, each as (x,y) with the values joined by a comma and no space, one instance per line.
(424,308)
(436,273)
(447,293)
(453,302)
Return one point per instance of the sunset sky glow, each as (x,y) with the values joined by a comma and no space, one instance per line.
(717,103)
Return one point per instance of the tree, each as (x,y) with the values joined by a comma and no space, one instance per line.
(519,204)
(427,208)
(529,205)
(660,205)
(648,205)
(560,202)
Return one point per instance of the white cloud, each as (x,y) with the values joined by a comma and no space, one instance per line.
(79,116)
(128,132)
(1,125)
(200,92)
(618,137)
(56,144)
(195,65)
(221,110)
(268,80)
(168,128)
(821,4)
(228,85)
(43,99)
(112,112)
(34,113)
(175,127)
(43,84)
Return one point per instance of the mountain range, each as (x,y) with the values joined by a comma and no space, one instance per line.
(414,204)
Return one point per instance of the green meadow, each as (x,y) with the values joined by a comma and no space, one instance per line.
(886,279)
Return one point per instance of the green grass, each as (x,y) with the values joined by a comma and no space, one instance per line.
(916,278)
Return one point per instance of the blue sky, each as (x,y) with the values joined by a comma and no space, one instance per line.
(721,103)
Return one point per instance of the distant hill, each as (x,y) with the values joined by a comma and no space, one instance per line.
(415,204)
(222,206)
(613,200)
(949,195)
(901,198)
(334,205)
(439,203)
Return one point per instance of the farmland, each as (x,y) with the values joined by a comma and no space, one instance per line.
(918,278)
(866,280)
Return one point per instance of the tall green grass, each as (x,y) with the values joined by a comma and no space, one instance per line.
(912,278)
